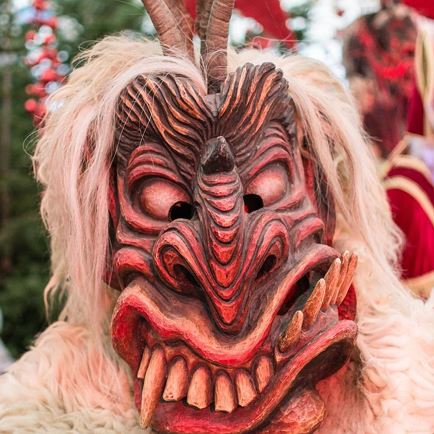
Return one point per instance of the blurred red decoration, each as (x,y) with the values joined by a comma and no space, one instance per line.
(43,59)
(30,105)
(423,7)
(268,14)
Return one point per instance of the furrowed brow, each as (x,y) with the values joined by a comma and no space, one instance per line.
(168,110)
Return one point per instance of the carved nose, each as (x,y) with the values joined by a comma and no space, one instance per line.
(218,157)
(219,195)
(226,252)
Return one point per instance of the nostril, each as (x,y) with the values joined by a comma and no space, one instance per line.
(252,202)
(185,274)
(181,210)
(267,266)
(188,284)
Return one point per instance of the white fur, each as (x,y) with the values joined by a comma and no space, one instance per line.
(72,381)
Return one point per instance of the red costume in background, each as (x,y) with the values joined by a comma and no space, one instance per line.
(409,181)
(411,195)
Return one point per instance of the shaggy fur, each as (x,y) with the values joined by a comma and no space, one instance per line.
(72,381)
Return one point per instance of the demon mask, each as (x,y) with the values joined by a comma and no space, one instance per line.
(222,247)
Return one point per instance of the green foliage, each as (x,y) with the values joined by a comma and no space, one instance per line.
(24,252)
(84,22)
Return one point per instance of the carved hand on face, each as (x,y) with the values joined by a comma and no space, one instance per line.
(220,252)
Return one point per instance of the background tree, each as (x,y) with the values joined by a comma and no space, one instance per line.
(23,247)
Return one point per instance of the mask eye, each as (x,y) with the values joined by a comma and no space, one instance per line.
(270,185)
(164,200)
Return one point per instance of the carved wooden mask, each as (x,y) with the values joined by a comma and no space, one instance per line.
(221,247)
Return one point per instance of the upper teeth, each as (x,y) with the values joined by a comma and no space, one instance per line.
(245,388)
(200,391)
(226,391)
(177,380)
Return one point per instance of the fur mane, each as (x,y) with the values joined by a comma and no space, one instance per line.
(393,391)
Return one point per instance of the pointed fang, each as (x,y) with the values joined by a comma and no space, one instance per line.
(292,333)
(344,270)
(153,385)
(331,278)
(144,363)
(313,304)
(343,290)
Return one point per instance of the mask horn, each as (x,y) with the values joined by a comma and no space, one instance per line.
(175,33)
(213,27)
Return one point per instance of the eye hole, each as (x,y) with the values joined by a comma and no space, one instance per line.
(253,202)
(181,210)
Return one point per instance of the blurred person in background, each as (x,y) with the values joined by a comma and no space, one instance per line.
(409,172)
(385,53)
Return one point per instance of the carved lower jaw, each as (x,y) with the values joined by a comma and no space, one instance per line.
(179,390)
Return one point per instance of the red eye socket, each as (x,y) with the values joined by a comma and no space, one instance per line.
(163,200)
(270,184)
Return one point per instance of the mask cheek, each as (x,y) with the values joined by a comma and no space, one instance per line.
(320,197)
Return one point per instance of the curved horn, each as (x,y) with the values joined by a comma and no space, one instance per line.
(215,39)
(173,37)
(203,8)
(185,23)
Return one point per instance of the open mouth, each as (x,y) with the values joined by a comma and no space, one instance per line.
(189,378)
